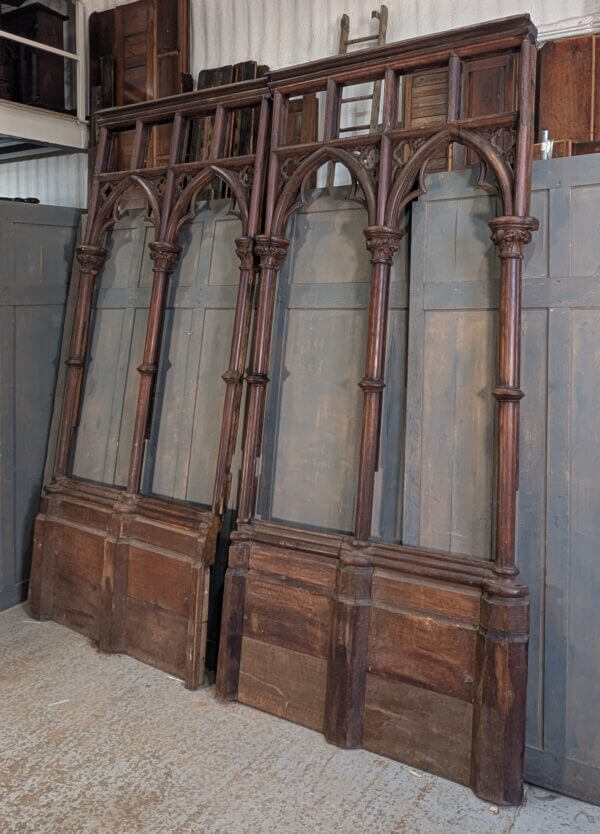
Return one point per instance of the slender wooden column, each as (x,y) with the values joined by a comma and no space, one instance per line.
(234,375)
(348,648)
(165,257)
(382,243)
(510,234)
(90,259)
(271,252)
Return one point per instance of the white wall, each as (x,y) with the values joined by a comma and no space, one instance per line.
(54,180)
(282,32)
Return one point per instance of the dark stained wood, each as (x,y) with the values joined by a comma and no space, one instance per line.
(499,704)
(567,88)
(232,622)
(292,643)
(415,643)
(437,598)
(156,636)
(292,617)
(148,44)
(283,682)
(422,728)
(348,651)
(138,581)
(432,653)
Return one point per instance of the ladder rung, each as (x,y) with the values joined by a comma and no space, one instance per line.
(368,97)
(354,127)
(363,40)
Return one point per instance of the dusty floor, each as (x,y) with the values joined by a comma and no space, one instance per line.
(102,743)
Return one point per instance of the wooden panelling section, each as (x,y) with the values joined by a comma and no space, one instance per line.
(421,662)
(78,555)
(286,634)
(419,727)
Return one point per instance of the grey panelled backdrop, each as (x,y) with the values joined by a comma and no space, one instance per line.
(36,252)
(452,318)
(436,474)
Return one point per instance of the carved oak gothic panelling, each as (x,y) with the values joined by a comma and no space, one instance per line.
(418,649)
(348,632)
(113,557)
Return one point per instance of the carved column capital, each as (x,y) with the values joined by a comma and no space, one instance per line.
(164,255)
(90,258)
(244,249)
(383,243)
(512,234)
(271,251)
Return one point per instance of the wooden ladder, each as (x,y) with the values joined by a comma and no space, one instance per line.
(375,95)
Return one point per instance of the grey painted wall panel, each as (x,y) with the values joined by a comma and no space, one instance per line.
(559,497)
(37,244)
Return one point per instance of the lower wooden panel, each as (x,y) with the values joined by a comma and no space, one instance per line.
(422,728)
(429,652)
(412,654)
(77,582)
(136,583)
(156,636)
(283,682)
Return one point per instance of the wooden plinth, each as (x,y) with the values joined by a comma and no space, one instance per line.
(415,655)
(130,573)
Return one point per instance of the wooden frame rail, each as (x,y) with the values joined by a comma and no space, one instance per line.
(417,655)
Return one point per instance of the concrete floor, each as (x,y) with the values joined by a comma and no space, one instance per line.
(102,743)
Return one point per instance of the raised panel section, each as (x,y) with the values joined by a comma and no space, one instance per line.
(218,329)
(429,652)
(319,418)
(531,503)
(583,632)
(460,249)
(457,432)
(224,268)
(585,259)
(283,682)
(425,729)
(327,246)
(37,245)
(293,617)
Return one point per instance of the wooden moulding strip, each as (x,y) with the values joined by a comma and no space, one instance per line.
(283,151)
(428,564)
(221,161)
(230,96)
(117,176)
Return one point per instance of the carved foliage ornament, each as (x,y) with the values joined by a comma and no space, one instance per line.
(164,256)
(90,258)
(512,234)
(383,243)
(271,251)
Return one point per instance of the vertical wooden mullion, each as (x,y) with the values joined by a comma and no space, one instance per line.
(382,243)
(164,253)
(140,145)
(233,377)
